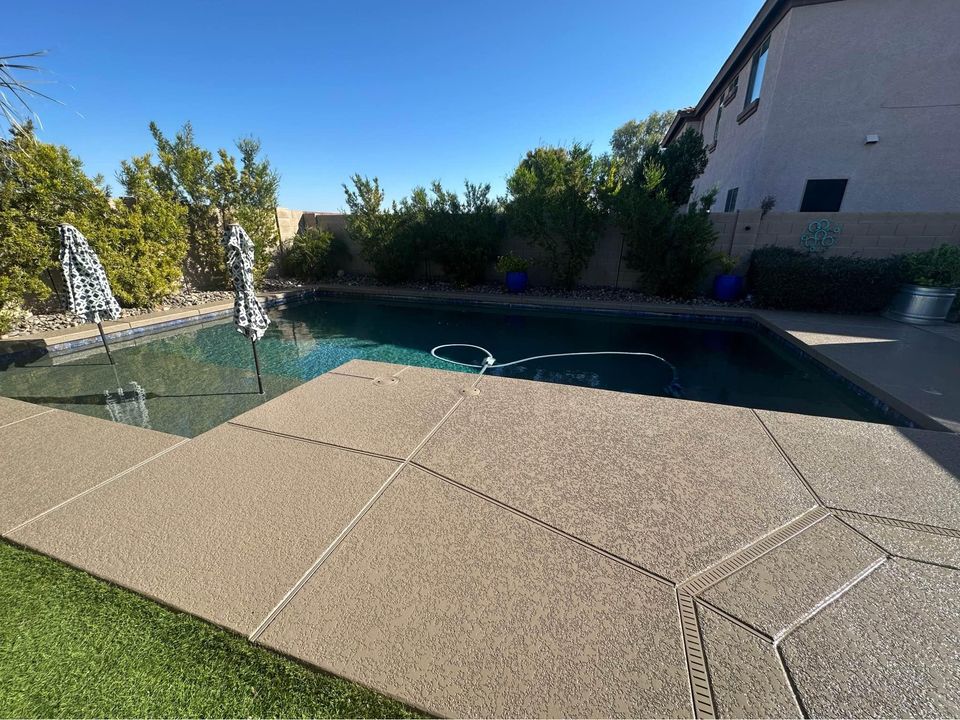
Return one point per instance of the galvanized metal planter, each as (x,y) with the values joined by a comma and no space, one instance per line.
(920,305)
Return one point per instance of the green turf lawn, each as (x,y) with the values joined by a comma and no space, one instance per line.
(73,646)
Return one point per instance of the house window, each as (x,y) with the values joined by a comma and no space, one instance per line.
(756,73)
(716,125)
(731,203)
(823,196)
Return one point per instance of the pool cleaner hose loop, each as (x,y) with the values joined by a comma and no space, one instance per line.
(673,389)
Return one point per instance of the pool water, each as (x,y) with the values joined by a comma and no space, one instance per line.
(191,380)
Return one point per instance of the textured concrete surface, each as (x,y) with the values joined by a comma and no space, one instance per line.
(14,410)
(887,648)
(670,485)
(220,527)
(910,543)
(903,364)
(471,610)
(876,469)
(52,457)
(522,578)
(748,678)
(787,583)
(388,417)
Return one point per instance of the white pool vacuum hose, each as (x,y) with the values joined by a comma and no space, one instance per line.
(674,389)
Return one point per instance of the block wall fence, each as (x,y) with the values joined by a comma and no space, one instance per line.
(868,235)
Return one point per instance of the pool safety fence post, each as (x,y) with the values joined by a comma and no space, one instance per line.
(106,345)
(256,363)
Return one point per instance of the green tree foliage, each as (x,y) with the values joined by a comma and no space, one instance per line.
(184,170)
(145,244)
(373,226)
(249,197)
(314,254)
(41,185)
(670,249)
(683,160)
(466,233)
(555,202)
(463,234)
(216,194)
(636,138)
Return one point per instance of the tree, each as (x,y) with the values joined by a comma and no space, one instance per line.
(554,201)
(466,234)
(216,194)
(145,243)
(635,138)
(41,185)
(683,160)
(374,228)
(15,93)
(249,197)
(185,172)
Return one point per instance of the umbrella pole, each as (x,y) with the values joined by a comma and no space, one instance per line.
(256,362)
(105,345)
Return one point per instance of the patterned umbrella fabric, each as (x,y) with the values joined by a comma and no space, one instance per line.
(87,284)
(248,314)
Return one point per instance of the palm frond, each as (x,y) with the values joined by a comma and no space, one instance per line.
(17,93)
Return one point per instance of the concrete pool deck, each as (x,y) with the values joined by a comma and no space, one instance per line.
(489,547)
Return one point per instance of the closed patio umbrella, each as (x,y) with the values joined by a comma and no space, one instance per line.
(248,314)
(88,289)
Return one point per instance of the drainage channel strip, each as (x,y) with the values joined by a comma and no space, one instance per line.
(700,687)
(761,547)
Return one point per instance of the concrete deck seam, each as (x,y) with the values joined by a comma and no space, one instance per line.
(353,375)
(791,683)
(547,526)
(793,465)
(331,548)
(701,688)
(739,622)
(740,559)
(97,486)
(29,417)
(896,522)
(830,599)
(401,371)
(863,535)
(314,441)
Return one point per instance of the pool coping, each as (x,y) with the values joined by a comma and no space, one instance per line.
(68,340)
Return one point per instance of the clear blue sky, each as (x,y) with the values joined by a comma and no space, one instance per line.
(409,90)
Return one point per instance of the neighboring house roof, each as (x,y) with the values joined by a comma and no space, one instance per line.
(766,19)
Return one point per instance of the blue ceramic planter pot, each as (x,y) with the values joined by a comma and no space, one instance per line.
(727,288)
(517,281)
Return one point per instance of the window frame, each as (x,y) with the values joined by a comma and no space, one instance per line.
(732,194)
(748,96)
(806,189)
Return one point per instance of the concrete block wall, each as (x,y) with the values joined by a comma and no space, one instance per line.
(867,235)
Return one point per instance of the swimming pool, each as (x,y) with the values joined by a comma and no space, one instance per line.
(193,379)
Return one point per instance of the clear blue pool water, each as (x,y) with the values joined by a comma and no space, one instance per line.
(191,380)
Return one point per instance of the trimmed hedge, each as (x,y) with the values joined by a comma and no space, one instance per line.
(788,279)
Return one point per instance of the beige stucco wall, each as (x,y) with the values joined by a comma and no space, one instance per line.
(836,72)
(867,235)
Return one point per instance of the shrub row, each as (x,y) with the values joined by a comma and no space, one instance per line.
(788,279)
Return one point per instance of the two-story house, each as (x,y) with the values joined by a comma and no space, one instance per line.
(836,105)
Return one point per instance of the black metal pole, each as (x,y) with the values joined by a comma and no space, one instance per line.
(105,345)
(256,362)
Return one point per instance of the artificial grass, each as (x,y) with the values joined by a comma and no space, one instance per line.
(73,646)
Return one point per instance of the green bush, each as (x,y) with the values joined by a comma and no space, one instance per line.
(375,230)
(788,279)
(314,254)
(512,263)
(939,267)
(555,203)
(671,250)
(466,235)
